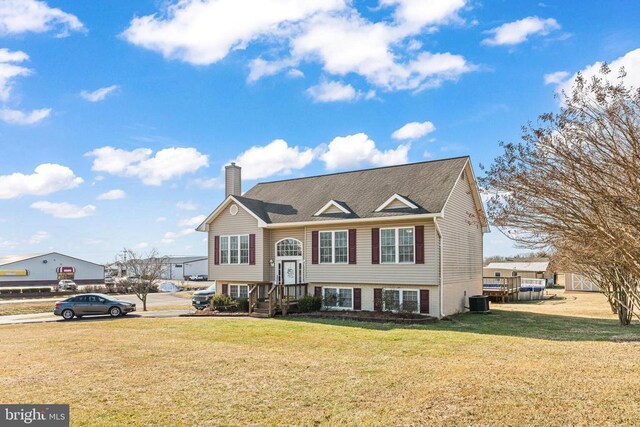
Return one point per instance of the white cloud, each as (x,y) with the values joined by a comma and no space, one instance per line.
(330,91)
(18,117)
(295,73)
(64,210)
(358,149)
(142,245)
(46,178)
(329,32)
(419,13)
(98,94)
(274,158)
(555,78)
(21,16)
(112,195)
(39,237)
(413,130)
(161,219)
(208,183)
(204,32)
(152,170)
(186,206)
(7,244)
(171,236)
(630,61)
(192,222)
(351,44)
(9,70)
(517,32)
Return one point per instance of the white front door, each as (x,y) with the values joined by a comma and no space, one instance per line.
(289,272)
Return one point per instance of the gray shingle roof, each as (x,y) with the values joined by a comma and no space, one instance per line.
(427,184)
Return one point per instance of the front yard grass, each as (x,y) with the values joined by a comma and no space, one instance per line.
(525,364)
(26,308)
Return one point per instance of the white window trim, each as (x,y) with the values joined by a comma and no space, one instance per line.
(333,247)
(397,244)
(402,290)
(238,286)
(329,204)
(228,236)
(337,288)
(399,198)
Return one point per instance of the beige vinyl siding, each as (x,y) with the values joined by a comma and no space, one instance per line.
(266,251)
(462,248)
(396,204)
(332,210)
(227,224)
(366,272)
(367,293)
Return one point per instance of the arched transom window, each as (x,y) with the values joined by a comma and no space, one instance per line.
(289,247)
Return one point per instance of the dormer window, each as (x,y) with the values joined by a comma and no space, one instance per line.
(397,202)
(333,207)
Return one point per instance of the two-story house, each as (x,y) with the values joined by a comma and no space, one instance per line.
(408,236)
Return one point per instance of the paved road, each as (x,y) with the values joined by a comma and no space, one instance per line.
(153,301)
(49,317)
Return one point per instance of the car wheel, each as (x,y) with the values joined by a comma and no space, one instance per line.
(67,314)
(115,311)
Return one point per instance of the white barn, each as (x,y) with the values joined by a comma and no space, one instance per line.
(47,269)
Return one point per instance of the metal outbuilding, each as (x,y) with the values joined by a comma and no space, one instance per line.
(47,269)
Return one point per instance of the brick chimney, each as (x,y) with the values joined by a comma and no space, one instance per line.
(232,180)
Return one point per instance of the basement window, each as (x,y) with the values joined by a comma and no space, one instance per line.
(239,291)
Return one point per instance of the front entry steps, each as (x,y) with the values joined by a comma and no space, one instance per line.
(268,300)
(261,310)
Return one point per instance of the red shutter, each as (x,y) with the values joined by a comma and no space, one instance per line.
(352,246)
(216,246)
(377,299)
(252,249)
(419,244)
(317,291)
(357,298)
(225,289)
(314,247)
(375,246)
(424,301)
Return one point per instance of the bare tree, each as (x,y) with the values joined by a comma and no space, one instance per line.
(572,186)
(143,271)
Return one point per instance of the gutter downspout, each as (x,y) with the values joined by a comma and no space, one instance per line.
(441,287)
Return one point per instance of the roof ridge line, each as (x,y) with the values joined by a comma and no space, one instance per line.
(362,170)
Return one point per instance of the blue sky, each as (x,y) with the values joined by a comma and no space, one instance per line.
(117,117)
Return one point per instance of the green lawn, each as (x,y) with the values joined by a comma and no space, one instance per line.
(525,364)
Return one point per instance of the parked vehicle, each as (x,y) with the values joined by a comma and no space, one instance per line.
(198,277)
(108,279)
(67,285)
(92,304)
(202,299)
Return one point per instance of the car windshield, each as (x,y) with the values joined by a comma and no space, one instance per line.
(211,288)
(107,297)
